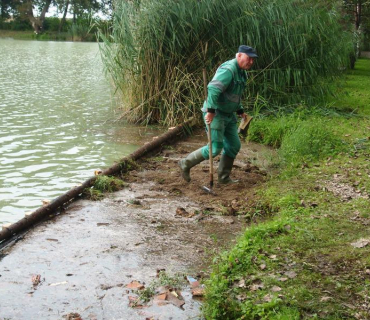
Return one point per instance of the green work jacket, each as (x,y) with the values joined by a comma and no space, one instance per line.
(226,89)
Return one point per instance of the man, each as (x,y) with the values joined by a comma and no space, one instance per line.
(224,95)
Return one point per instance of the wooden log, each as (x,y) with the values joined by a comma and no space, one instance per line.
(31,218)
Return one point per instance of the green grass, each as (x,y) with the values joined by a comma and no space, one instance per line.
(18,35)
(103,184)
(297,262)
(46,36)
(354,91)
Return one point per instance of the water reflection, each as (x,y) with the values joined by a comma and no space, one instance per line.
(54,107)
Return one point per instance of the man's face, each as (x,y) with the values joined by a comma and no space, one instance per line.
(245,62)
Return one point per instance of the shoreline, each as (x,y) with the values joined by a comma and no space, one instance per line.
(47,36)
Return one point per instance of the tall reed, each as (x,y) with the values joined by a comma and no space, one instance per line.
(158,49)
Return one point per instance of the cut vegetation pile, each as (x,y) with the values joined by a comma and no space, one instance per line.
(309,255)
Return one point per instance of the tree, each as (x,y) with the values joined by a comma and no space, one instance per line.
(26,10)
(358,11)
(6,8)
(65,11)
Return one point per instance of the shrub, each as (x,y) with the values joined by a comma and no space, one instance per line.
(51,24)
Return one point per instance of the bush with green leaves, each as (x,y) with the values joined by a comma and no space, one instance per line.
(157,51)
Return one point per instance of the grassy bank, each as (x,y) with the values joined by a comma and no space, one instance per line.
(303,258)
(19,35)
(47,36)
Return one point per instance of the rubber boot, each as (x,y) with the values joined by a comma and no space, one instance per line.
(190,161)
(224,170)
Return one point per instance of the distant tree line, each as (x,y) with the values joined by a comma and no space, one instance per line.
(31,14)
(356,14)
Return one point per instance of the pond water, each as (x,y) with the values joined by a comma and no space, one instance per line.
(56,122)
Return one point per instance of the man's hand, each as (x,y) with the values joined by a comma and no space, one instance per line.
(243,116)
(209,117)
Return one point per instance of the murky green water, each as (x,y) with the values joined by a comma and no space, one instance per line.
(56,125)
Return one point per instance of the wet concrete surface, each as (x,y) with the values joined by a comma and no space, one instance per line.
(87,255)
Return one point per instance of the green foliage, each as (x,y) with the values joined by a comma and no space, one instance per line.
(310,228)
(108,184)
(81,29)
(271,130)
(84,29)
(312,140)
(51,24)
(93,194)
(17,24)
(304,135)
(222,296)
(102,185)
(158,49)
(355,96)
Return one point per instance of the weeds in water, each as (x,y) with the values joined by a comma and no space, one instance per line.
(94,195)
(108,184)
(103,184)
(128,165)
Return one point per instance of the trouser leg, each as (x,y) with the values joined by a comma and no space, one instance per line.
(217,136)
(231,148)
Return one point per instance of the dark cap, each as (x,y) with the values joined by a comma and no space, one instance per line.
(251,52)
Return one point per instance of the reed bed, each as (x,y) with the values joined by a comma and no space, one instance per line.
(157,51)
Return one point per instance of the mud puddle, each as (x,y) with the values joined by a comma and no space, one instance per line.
(86,257)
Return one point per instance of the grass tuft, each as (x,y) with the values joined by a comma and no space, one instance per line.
(103,184)
(310,141)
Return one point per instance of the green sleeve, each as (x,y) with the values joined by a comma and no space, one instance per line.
(219,84)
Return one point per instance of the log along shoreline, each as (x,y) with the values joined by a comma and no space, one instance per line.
(11,230)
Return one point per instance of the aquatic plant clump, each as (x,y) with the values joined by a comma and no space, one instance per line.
(158,50)
(103,184)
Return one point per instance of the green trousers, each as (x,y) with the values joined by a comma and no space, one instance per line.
(224,134)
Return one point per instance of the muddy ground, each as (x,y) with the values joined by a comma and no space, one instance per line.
(80,262)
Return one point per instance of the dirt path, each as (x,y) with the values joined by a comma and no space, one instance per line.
(86,256)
